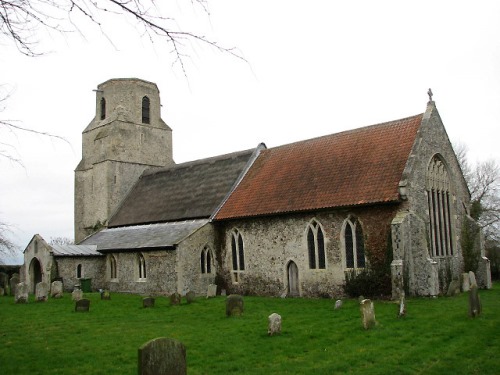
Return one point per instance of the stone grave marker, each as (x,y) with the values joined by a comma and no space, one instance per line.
(56,289)
(465,287)
(82,305)
(14,281)
(211,291)
(190,296)
(223,292)
(105,296)
(162,356)
(472,279)
(338,304)
(2,291)
(41,291)
(367,314)
(175,299)
(234,305)
(474,302)
(148,302)
(274,327)
(22,291)
(453,288)
(402,305)
(76,295)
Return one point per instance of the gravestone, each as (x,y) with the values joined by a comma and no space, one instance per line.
(465,287)
(338,304)
(472,279)
(234,305)
(41,291)
(148,302)
(82,305)
(14,281)
(4,280)
(211,291)
(162,356)
(223,292)
(105,296)
(190,296)
(274,327)
(56,289)
(474,302)
(2,291)
(76,295)
(22,290)
(367,314)
(175,299)
(453,288)
(402,305)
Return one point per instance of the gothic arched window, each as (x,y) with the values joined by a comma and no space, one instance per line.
(145,110)
(438,200)
(354,244)
(316,246)
(112,267)
(206,260)
(237,254)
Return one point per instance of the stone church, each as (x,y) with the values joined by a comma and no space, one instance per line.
(294,219)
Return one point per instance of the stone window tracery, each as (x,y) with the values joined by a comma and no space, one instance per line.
(237,254)
(440,216)
(142,267)
(206,260)
(354,244)
(316,246)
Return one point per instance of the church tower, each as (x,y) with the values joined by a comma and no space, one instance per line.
(126,136)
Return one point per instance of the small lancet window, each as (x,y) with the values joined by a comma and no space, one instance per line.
(316,246)
(79,271)
(142,267)
(145,110)
(103,108)
(112,267)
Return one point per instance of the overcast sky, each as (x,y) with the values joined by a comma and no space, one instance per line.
(313,68)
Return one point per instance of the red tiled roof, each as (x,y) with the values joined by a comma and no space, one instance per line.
(350,168)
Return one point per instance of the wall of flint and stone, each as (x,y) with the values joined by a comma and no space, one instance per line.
(93,267)
(270,243)
(432,139)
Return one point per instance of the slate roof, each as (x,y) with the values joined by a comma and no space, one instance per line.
(75,250)
(356,167)
(185,191)
(145,237)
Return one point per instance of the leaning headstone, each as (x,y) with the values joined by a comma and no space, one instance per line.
(76,295)
(175,299)
(14,281)
(453,288)
(274,327)
(465,287)
(474,302)
(148,302)
(338,304)
(367,314)
(211,291)
(105,296)
(82,305)
(190,296)
(472,279)
(41,291)
(402,305)
(234,305)
(162,356)
(56,289)
(22,290)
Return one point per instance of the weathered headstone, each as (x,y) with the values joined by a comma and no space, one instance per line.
(13,282)
(190,296)
(82,305)
(76,295)
(56,289)
(22,290)
(474,302)
(4,280)
(274,327)
(338,304)
(367,314)
(105,295)
(453,288)
(402,305)
(211,291)
(223,292)
(162,356)
(472,279)
(148,302)
(41,291)
(175,299)
(234,305)
(465,287)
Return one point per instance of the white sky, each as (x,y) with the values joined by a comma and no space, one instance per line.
(314,68)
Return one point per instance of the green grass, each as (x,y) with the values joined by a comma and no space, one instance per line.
(436,336)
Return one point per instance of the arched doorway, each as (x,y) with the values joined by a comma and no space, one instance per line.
(35,273)
(293,279)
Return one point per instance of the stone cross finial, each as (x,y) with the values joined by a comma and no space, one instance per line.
(429,92)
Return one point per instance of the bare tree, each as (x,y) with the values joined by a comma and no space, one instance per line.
(61,241)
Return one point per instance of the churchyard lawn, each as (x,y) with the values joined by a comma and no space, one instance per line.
(435,337)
